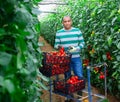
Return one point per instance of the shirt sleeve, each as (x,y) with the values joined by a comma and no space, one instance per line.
(81,41)
(57,41)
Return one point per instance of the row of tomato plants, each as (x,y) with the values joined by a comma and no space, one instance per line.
(20,55)
(99,22)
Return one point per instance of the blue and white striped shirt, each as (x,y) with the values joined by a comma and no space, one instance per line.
(72,37)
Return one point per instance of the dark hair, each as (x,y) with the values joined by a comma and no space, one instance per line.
(66,16)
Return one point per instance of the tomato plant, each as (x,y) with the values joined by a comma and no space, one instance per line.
(99,22)
(20,56)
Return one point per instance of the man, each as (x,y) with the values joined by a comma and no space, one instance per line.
(72,40)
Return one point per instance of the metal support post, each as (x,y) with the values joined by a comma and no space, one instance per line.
(89,85)
(105,83)
(50,90)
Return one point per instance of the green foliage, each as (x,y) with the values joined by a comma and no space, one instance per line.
(99,21)
(20,55)
(49,28)
(105,100)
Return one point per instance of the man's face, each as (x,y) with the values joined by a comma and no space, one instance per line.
(67,23)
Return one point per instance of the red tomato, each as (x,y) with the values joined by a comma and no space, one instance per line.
(101,73)
(101,76)
(68,80)
(76,77)
(71,82)
(86,62)
(96,69)
(54,53)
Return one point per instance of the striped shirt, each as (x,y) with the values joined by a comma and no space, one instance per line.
(72,37)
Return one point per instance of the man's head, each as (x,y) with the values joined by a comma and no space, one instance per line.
(67,22)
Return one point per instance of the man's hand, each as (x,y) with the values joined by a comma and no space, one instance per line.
(72,49)
(59,47)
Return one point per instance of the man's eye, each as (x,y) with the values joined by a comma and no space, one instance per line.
(66,21)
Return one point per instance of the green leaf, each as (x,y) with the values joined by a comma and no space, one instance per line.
(118,58)
(112,13)
(1,81)
(33,58)
(22,51)
(37,27)
(109,40)
(118,45)
(104,23)
(5,58)
(23,33)
(113,20)
(40,44)
(114,73)
(104,57)
(42,85)
(36,11)
(19,61)
(100,10)
(104,100)
(31,35)
(8,84)
(119,86)
(38,49)
(2,31)
(23,17)
(24,71)
(43,77)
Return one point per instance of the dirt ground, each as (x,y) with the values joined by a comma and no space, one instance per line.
(57,98)
(46,47)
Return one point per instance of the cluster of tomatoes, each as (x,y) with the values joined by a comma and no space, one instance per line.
(60,52)
(52,58)
(100,72)
(108,56)
(59,85)
(96,69)
(73,80)
(71,85)
(56,68)
(102,76)
(57,57)
(56,62)
(86,62)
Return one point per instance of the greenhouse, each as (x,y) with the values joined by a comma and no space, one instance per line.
(60,50)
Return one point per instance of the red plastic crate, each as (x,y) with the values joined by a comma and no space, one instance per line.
(55,59)
(67,88)
(54,64)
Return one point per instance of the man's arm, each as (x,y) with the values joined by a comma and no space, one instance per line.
(57,41)
(81,40)
(81,43)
